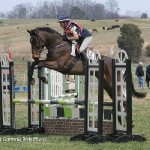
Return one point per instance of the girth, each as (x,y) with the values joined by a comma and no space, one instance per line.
(70,66)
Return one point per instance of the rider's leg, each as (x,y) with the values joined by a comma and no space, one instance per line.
(86,42)
(83,57)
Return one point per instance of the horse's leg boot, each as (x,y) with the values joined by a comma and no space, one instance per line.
(83,57)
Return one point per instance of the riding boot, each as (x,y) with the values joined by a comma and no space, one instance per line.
(84,58)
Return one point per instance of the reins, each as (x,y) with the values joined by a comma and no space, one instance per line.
(48,47)
(57,44)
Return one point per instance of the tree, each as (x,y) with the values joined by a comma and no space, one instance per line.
(2,15)
(52,9)
(113,9)
(21,11)
(147,53)
(130,41)
(77,13)
(144,15)
(98,11)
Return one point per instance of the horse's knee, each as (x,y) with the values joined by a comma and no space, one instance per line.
(40,71)
(40,65)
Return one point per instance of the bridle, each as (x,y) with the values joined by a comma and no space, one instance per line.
(44,46)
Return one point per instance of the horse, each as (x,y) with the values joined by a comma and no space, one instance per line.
(59,58)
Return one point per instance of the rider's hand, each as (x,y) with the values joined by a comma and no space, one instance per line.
(69,38)
(65,38)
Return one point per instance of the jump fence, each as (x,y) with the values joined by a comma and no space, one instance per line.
(92,121)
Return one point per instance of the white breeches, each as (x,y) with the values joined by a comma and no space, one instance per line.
(86,43)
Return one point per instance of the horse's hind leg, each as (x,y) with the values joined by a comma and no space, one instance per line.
(108,88)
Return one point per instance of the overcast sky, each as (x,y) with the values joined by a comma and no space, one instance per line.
(124,5)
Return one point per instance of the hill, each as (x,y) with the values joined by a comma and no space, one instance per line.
(15,38)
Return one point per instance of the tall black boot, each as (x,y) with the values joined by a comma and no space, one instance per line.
(84,58)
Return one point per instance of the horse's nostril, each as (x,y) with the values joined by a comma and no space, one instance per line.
(35,57)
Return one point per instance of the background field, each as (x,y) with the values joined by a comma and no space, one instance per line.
(13,37)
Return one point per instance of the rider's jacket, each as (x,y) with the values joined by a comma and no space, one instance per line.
(81,31)
(139,71)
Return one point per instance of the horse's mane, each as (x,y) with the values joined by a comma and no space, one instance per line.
(52,31)
(47,29)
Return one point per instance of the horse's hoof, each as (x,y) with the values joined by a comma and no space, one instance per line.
(32,81)
(44,80)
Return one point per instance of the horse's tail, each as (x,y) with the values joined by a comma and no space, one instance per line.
(137,94)
(134,92)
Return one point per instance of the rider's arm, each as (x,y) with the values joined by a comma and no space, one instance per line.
(75,35)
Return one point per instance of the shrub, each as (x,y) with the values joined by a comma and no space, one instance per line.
(130,40)
(147,53)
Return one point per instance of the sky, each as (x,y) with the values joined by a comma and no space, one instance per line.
(124,5)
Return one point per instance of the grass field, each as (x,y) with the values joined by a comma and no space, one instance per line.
(141,115)
(13,36)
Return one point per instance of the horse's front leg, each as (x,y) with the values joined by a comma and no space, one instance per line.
(40,75)
(48,64)
(31,71)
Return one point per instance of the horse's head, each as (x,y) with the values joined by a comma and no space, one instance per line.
(37,43)
(43,37)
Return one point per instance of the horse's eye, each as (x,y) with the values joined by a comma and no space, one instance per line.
(33,41)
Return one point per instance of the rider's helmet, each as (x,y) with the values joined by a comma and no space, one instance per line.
(63,18)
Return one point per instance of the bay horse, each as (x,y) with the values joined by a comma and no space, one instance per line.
(59,57)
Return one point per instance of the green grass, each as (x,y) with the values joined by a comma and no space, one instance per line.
(141,115)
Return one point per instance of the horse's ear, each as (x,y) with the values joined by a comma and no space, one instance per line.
(29,31)
(32,32)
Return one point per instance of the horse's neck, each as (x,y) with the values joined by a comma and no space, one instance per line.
(61,49)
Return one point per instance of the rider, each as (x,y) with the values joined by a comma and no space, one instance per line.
(75,32)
